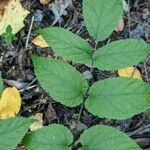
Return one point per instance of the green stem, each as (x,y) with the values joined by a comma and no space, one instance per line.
(86,93)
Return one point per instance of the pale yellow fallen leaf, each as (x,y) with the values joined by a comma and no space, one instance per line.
(39,41)
(45,2)
(12,13)
(120,26)
(38,123)
(130,72)
(10,103)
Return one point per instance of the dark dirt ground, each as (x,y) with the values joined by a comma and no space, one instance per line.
(17,69)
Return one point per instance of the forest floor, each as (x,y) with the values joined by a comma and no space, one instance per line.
(17,69)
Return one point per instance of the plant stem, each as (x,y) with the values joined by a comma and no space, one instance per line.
(86,93)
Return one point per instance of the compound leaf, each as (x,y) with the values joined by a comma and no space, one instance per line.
(55,137)
(12,131)
(67,45)
(65,84)
(118,98)
(102,16)
(121,54)
(102,137)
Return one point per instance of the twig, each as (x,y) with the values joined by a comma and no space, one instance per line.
(146,128)
(28,88)
(86,93)
(29,33)
(129,19)
(145,69)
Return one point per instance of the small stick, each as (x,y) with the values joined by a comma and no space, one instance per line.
(28,88)
(29,33)
(144,129)
(129,19)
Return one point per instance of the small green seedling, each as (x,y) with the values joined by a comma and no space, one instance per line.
(8,36)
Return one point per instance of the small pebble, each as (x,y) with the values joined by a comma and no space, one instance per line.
(87,75)
(38,16)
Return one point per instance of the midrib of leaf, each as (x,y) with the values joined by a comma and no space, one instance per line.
(60,81)
(99,17)
(118,95)
(50,144)
(13,129)
(107,50)
(99,20)
(47,139)
(5,144)
(111,54)
(119,110)
(73,45)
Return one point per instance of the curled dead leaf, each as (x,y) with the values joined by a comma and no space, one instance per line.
(130,72)
(120,26)
(10,103)
(38,123)
(39,41)
(45,2)
(12,13)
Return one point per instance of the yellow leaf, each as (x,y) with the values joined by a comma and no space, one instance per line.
(45,2)
(12,13)
(38,123)
(120,26)
(10,103)
(130,72)
(39,41)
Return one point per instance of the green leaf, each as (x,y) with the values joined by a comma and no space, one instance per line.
(67,45)
(121,54)
(65,84)
(12,131)
(118,98)
(52,137)
(102,137)
(9,29)
(102,16)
